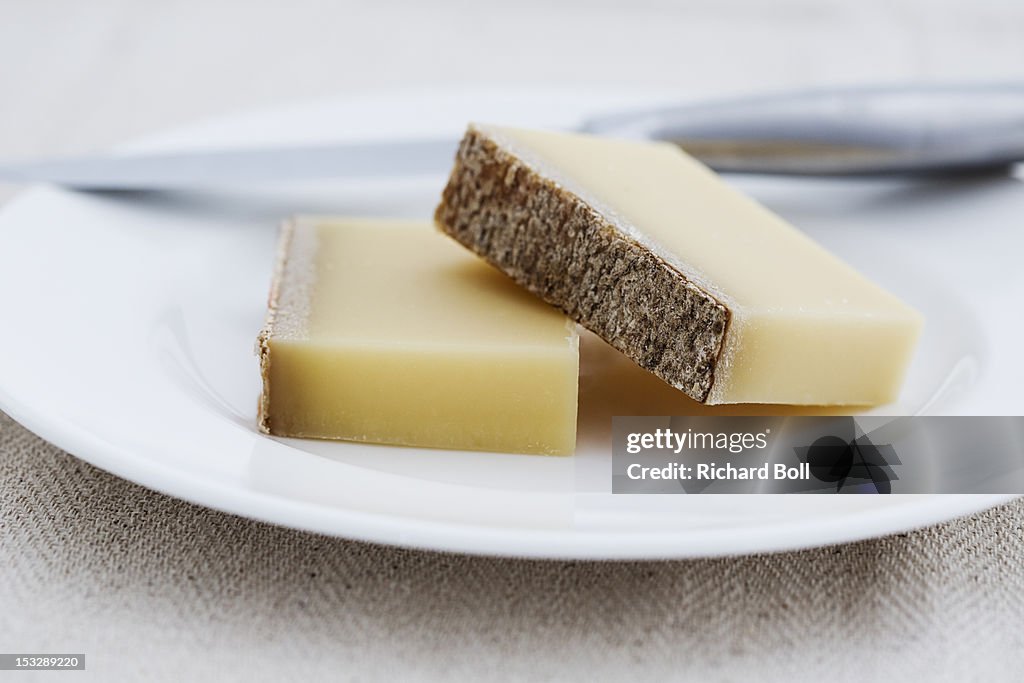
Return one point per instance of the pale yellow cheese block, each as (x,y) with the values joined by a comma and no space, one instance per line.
(687,276)
(389,332)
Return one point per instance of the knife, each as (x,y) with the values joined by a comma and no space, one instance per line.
(903,130)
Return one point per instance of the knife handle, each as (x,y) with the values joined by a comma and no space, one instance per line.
(857,131)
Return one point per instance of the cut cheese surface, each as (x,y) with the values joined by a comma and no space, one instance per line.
(388,332)
(690,278)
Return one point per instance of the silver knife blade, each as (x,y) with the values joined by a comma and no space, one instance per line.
(241,166)
(937,129)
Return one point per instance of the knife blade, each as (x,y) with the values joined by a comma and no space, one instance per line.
(854,131)
(241,166)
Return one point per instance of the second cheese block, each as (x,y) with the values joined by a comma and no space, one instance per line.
(388,332)
(691,279)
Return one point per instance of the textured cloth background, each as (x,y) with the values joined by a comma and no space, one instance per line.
(151,588)
(154,588)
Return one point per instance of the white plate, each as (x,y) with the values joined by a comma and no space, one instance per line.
(129,323)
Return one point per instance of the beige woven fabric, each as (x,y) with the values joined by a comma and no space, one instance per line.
(152,588)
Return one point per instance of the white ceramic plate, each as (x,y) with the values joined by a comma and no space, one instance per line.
(129,323)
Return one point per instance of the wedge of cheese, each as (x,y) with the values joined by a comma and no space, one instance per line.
(692,280)
(389,332)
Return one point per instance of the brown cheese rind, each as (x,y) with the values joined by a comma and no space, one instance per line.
(553,243)
(265,335)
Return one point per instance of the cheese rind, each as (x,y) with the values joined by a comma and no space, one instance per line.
(689,278)
(386,331)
